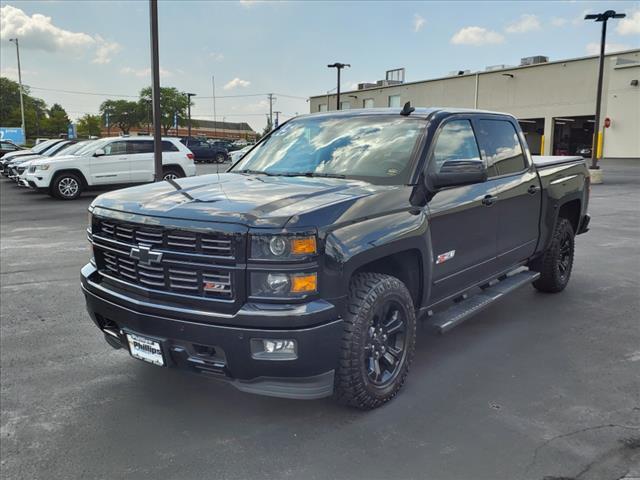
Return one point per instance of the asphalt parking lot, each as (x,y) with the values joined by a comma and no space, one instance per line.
(535,387)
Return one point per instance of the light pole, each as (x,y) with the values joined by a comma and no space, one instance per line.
(213,88)
(603,18)
(155,91)
(15,40)
(338,66)
(189,95)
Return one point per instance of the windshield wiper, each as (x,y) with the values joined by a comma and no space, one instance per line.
(313,174)
(255,172)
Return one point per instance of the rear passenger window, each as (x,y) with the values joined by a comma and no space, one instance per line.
(456,141)
(140,146)
(501,147)
(168,146)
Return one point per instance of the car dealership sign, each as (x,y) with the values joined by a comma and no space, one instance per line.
(14,134)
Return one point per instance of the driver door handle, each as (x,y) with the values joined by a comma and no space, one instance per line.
(533,189)
(489,200)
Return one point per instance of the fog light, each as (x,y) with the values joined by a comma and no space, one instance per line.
(274,349)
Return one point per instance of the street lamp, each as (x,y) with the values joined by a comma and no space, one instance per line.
(338,66)
(189,95)
(15,40)
(603,18)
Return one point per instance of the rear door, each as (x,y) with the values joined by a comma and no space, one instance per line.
(141,160)
(517,188)
(113,166)
(462,220)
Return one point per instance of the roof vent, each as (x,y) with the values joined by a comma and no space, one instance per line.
(362,86)
(536,59)
(457,73)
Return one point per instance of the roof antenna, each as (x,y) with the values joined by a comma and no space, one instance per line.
(407,109)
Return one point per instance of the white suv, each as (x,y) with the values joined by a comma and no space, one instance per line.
(108,161)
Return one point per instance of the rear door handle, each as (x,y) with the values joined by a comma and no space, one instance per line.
(533,189)
(489,200)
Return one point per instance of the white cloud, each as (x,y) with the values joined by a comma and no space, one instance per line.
(476,36)
(143,72)
(236,82)
(558,21)
(37,32)
(418,22)
(526,23)
(629,25)
(217,56)
(593,48)
(105,50)
(12,73)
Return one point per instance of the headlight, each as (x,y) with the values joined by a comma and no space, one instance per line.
(283,285)
(282,247)
(44,166)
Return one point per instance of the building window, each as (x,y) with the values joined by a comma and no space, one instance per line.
(394,101)
(322,107)
(345,105)
(367,103)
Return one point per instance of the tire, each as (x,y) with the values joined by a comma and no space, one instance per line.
(171,173)
(556,262)
(66,186)
(380,320)
(220,158)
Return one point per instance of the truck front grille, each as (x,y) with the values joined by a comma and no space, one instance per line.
(181,261)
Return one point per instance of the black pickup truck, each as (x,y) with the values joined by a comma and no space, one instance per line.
(302,272)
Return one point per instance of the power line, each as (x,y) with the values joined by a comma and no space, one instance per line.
(77,92)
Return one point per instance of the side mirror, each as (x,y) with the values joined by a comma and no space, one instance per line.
(458,172)
(99,153)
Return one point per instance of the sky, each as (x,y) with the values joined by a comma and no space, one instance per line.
(253,48)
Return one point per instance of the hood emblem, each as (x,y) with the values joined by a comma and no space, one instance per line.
(144,254)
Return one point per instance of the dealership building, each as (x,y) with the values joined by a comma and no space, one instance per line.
(553,100)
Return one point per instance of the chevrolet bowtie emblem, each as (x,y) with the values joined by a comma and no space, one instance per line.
(144,254)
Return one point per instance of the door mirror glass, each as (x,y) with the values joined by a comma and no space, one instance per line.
(458,172)
(99,152)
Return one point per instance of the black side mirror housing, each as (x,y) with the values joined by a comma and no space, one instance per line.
(457,173)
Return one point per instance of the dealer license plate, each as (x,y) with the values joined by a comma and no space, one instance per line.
(145,349)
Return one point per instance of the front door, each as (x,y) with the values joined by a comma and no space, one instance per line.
(113,166)
(518,193)
(462,220)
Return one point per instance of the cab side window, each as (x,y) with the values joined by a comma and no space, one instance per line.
(116,148)
(456,141)
(500,147)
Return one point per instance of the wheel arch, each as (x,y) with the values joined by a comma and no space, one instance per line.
(74,171)
(174,166)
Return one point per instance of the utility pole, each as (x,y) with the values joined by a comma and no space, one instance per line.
(155,91)
(213,86)
(597,135)
(338,66)
(271,110)
(189,95)
(275,125)
(24,131)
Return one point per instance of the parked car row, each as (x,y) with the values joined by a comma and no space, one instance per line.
(65,168)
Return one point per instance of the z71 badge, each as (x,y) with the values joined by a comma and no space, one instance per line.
(443,257)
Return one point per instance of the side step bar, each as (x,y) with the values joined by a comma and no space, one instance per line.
(459,312)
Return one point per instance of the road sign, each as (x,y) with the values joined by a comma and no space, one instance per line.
(15,134)
(71,131)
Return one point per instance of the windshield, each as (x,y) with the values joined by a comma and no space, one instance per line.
(374,148)
(72,148)
(56,149)
(39,148)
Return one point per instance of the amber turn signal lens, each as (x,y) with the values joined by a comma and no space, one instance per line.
(303,245)
(305,283)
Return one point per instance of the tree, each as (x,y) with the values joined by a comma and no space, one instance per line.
(172,102)
(89,125)
(268,127)
(58,121)
(124,114)
(35,114)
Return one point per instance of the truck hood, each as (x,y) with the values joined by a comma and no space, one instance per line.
(252,200)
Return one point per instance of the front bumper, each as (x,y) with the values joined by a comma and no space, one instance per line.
(216,347)
(39,179)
